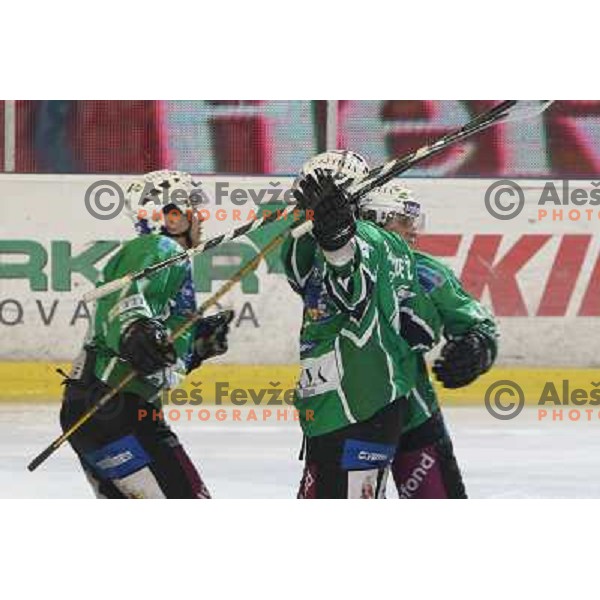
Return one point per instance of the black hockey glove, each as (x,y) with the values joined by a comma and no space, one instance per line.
(145,344)
(334,224)
(211,337)
(464,359)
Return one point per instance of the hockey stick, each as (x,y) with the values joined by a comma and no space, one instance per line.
(117,284)
(508,110)
(224,289)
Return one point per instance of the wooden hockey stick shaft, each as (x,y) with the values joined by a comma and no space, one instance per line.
(214,299)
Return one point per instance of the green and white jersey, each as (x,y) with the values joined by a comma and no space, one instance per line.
(459,313)
(167,295)
(363,326)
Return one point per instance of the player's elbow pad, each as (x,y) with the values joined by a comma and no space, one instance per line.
(417,333)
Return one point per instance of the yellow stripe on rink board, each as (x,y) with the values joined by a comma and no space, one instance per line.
(39,382)
(531,380)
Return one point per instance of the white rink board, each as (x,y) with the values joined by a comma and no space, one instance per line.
(50,208)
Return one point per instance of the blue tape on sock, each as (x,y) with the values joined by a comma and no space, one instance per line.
(366,455)
(118,459)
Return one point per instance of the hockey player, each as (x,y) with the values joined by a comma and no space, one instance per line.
(364,317)
(126,449)
(425,465)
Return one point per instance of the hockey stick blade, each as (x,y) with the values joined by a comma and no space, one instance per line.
(509,110)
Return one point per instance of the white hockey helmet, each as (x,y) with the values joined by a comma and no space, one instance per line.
(160,191)
(343,164)
(389,201)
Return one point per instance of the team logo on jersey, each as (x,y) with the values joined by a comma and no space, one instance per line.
(319,375)
(307,347)
(428,278)
(316,304)
(184,302)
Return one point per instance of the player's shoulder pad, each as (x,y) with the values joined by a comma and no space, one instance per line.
(368,231)
(141,252)
(379,237)
(431,272)
(368,238)
(153,243)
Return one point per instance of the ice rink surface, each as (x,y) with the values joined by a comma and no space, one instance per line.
(521,458)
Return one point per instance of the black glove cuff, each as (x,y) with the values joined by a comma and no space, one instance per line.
(332,239)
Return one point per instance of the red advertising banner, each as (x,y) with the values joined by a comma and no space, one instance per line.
(261,137)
